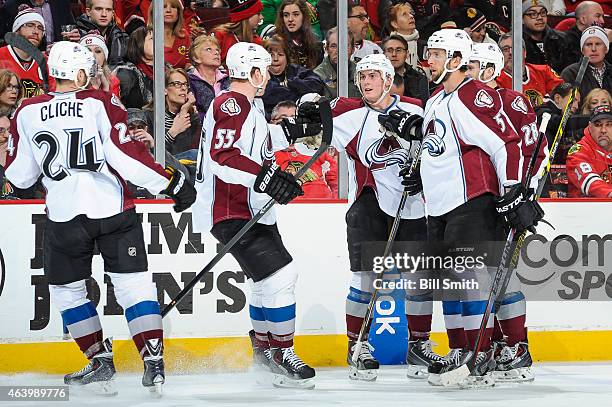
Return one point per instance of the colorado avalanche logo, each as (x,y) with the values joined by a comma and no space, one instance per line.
(433,141)
(519,105)
(483,99)
(267,154)
(385,152)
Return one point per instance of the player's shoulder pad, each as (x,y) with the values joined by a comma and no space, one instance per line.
(342,105)
(478,96)
(413,101)
(230,104)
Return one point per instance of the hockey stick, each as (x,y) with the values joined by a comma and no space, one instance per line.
(512,248)
(365,325)
(327,122)
(17,41)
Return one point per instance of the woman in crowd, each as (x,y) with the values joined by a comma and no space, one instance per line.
(596,97)
(293,24)
(206,80)
(176,38)
(104,79)
(402,23)
(136,76)
(181,122)
(287,81)
(10,91)
(245,16)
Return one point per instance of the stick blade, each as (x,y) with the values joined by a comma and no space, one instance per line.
(454,377)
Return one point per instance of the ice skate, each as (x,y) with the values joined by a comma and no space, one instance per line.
(98,374)
(289,370)
(154,375)
(419,357)
(261,362)
(481,375)
(366,367)
(514,364)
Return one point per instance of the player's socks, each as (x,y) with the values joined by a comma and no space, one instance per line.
(84,326)
(454,324)
(145,324)
(356,306)
(472,312)
(511,316)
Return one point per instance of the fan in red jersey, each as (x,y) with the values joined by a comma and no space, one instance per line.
(30,25)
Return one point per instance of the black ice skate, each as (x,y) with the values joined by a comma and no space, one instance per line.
(448,363)
(482,373)
(99,372)
(366,367)
(261,362)
(419,357)
(154,375)
(289,370)
(514,364)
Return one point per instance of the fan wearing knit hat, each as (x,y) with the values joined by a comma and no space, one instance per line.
(594,45)
(30,25)
(473,21)
(104,79)
(245,17)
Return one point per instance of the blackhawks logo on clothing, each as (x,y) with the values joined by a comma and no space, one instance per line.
(574,149)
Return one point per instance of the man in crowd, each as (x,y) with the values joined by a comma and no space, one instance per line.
(30,25)
(55,13)
(538,80)
(544,45)
(589,162)
(328,69)
(100,15)
(358,23)
(594,44)
(415,82)
(588,13)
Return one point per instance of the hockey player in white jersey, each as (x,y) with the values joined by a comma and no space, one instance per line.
(470,174)
(77,139)
(376,157)
(236,177)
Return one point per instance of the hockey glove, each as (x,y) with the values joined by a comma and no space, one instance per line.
(309,112)
(180,190)
(519,212)
(295,129)
(279,184)
(413,183)
(406,125)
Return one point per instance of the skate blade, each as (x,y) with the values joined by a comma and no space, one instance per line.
(366,375)
(102,388)
(477,382)
(454,376)
(520,375)
(262,376)
(417,372)
(285,382)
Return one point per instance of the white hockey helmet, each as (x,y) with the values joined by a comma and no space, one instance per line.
(67,58)
(451,40)
(375,62)
(242,57)
(485,54)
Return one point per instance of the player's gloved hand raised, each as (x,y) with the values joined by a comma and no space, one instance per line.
(309,112)
(180,190)
(412,182)
(406,125)
(279,184)
(519,211)
(296,128)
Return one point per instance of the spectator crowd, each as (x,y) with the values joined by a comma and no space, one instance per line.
(302,38)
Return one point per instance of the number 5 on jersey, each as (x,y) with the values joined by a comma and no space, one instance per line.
(224,138)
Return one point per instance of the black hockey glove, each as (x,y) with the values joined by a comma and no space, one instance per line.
(180,190)
(294,129)
(406,125)
(519,212)
(413,183)
(279,184)
(309,112)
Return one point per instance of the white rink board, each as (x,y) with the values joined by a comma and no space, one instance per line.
(315,235)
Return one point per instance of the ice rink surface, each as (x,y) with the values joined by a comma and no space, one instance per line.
(572,384)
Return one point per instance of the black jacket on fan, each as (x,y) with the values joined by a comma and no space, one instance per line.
(555,45)
(116,39)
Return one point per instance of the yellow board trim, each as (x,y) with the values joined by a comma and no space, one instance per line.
(209,354)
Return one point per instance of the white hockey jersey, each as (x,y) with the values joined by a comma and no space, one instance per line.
(79,142)
(236,140)
(374,159)
(469,148)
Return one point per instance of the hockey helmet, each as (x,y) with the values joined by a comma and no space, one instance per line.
(451,40)
(242,57)
(375,62)
(67,58)
(485,54)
